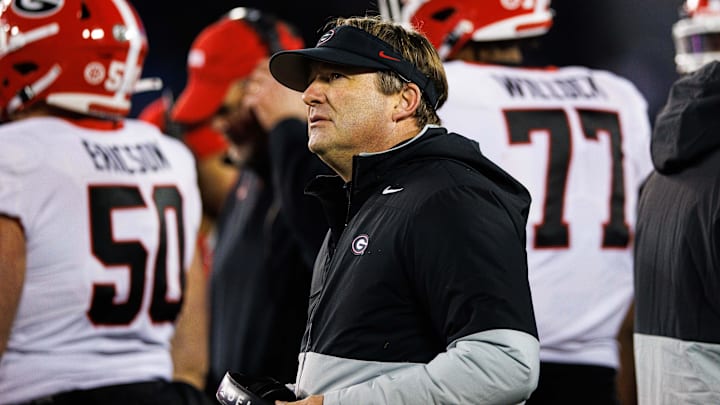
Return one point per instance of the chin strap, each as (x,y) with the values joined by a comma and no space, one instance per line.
(451,41)
(28,92)
(9,44)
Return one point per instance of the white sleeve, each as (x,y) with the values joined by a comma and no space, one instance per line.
(20,164)
(493,367)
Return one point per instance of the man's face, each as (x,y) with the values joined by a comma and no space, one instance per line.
(347,113)
(235,120)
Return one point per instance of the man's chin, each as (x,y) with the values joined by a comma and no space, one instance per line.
(315,145)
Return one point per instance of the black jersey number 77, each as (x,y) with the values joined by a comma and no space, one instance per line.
(553,231)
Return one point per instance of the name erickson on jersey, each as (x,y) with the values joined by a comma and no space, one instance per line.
(577,87)
(131,159)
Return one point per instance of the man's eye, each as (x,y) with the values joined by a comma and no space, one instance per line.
(335,76)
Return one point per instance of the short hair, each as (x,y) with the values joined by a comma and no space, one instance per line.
(416,49)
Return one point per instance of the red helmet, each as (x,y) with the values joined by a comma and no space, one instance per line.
(449,24)
(697,35)
(79,55)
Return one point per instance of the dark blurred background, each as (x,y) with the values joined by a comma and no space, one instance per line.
(631,38)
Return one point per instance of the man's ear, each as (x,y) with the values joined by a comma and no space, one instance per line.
(409,101)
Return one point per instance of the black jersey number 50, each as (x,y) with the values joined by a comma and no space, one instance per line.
(553,231)
(104,309)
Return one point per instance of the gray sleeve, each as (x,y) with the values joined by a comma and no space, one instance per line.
(492,367)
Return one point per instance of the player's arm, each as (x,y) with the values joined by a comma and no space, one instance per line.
(189,347)
(625,380)
(12,274)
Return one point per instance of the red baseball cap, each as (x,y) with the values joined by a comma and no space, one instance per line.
(216,61)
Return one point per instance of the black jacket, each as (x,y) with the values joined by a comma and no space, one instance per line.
(677,253)
(426,247)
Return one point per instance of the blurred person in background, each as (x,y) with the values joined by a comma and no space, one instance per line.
(578,139)
(249,135)
(98,215)
(677,254)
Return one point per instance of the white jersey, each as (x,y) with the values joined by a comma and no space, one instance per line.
(110,219)
(578,139)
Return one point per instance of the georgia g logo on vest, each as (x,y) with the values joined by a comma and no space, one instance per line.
(360,244)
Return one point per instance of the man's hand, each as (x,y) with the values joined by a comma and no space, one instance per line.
(311,400)
(271,101)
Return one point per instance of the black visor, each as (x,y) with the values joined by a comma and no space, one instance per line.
(348,46)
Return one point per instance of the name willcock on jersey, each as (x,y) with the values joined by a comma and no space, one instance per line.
(578,87)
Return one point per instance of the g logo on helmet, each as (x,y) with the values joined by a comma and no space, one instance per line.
(359,244)
(37,8)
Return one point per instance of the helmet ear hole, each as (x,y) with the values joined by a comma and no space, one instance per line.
(25,67)
(84,11)
(443,14)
